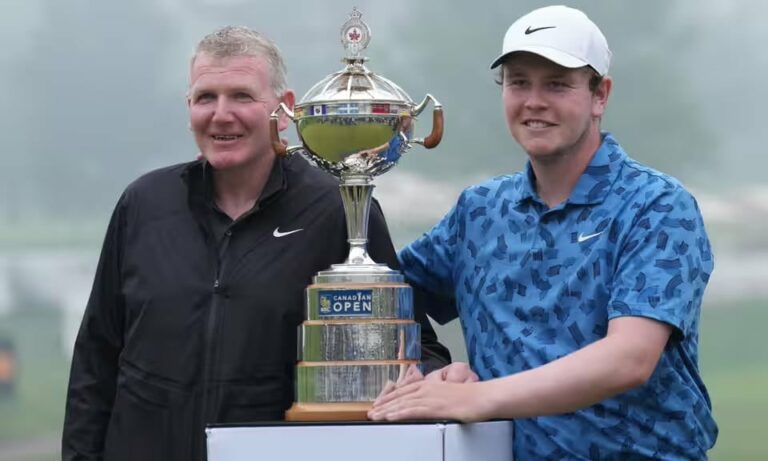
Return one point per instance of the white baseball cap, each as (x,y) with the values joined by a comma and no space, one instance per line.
(564,35)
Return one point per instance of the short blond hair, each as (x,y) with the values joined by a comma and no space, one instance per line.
(234,41)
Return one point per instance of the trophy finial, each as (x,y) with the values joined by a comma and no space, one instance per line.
(355,35)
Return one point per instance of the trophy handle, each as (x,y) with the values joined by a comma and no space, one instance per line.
(437,122)
(280,149)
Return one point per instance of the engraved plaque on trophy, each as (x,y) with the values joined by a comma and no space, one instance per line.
(359,330)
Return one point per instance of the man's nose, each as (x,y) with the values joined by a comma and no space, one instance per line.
(535,98)
(222,112)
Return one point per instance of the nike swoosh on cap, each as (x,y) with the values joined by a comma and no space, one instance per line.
(529,31)
(279,234)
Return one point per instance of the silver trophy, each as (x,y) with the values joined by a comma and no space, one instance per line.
(359,331)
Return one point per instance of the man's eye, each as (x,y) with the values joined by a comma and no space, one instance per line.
(204,97)
(244,97)
(517,82)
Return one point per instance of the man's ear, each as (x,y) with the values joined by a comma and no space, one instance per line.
(600,96)
(289,99)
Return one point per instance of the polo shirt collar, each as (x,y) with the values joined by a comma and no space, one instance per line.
(594,184)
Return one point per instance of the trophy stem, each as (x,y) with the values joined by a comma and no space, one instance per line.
(356,193)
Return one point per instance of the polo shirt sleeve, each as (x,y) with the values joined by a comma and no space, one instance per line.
(428,264)
(433,354)
(664,262)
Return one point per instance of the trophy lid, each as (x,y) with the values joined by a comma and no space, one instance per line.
(355,83)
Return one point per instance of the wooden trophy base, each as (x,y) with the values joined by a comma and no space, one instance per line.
(334,411)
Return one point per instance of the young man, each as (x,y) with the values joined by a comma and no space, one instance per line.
(578,282)
(199,291)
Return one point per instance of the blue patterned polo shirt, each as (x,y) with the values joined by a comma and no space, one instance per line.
(532,284)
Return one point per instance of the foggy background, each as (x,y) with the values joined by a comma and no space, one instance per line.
(92,96)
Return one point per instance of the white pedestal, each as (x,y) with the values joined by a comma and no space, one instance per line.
(434,441)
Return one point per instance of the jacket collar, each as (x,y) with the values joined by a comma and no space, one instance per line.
(198,176)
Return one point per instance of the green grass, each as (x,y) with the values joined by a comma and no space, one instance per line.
(735,370)
(37,405)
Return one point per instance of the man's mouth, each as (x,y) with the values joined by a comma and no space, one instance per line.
(226,137)
(537,124)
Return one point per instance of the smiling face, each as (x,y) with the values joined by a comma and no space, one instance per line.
(551,110)
(230,101)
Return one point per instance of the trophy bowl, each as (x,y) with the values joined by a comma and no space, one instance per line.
(354,122)
(359,331)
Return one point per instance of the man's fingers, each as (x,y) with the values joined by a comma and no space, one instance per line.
(389,387)
(398,408)
(411,376)
(397,414)
(396,393)
(456,374)
(436,375)
(460,373)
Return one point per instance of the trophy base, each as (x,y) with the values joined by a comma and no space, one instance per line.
(329,411)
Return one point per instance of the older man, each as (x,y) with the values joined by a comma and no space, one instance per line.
(199,290)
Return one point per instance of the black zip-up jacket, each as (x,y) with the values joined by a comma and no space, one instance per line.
(193,318)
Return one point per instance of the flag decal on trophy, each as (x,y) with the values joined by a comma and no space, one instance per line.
(349,108)
(380,108)
(319,109)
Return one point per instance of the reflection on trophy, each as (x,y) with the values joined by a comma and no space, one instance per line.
(359,330)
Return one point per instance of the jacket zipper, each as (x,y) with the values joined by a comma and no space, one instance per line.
(210,331)
(209,346)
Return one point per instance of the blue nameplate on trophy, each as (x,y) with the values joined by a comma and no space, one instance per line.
(357,303)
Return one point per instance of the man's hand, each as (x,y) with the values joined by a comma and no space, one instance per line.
(432,400)
(396,400)
(412,375)
(458,372)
